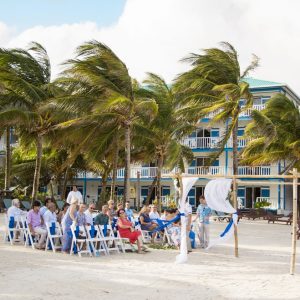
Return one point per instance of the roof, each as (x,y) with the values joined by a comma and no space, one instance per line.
(258,83)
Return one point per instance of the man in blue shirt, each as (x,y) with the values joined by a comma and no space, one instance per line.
(203,214)
(129,211)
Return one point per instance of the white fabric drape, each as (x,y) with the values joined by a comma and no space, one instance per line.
(216,193)
(187,184)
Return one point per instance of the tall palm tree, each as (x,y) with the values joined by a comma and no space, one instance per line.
(164,134)
(101,86)
(25,79)
(7,159)
(274,134)
(215,84)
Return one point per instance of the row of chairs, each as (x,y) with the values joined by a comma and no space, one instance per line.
(91,240)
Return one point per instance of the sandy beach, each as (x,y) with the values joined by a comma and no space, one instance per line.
(261,271)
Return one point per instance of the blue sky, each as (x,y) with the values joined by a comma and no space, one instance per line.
(23,14)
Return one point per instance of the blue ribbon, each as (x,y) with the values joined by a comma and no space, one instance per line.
(162,224)
(105,230)
(227,228)
(11,223)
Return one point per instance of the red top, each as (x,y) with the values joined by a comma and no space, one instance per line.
(126,232)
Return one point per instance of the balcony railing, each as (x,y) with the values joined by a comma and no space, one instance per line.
(151,172)
(210,142)
(257,170)
(246,113)
(206,170)
(201,142)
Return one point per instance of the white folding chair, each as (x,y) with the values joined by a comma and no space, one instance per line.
(14,232)
(30,240)
(167,237)
(79,241)
(113,243)
(96,240)
(54,237)
(126,245)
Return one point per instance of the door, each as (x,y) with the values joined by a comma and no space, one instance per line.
(251,194)
(199,192)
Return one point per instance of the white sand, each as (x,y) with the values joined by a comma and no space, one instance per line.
(261,272)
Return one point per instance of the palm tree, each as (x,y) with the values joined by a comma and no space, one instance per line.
(215,84)
(25,78)
(7,159)
(164,134)
(100,86)
(274,134)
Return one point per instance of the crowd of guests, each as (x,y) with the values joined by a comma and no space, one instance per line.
(74,211)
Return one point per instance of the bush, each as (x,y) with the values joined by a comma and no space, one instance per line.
(262,204)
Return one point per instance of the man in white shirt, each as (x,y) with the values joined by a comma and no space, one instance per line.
(49,215)
(154,213)
(75,193)
(89,213)
(15,211)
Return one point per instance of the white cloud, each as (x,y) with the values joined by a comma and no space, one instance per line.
(153,35)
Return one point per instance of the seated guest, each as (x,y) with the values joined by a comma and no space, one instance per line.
(15,211)
(146,222)
(43,209)
(164,215)
(81,219)
(89,214)
(120,206)
(62,213)
(35,225)
(68,220)
(111,209)
(102,218)
(50,215)
(174,228)
(154,215)
(127,231)
(128,211)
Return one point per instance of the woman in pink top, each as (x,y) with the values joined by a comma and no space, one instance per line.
(127,231)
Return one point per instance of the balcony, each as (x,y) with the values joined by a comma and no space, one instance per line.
(201,142)
(210,142)
(257,170)
(151,172)
(246,113)
(206,170)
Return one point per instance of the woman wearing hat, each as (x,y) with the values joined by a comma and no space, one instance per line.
(67,221)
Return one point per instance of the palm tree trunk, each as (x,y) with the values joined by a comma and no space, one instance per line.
(159,168)
(235,172)
(7,160)
(51,189)
(235,149)
(127,164)
(102,197)
(64,185)
(115,167)
(37,171)
(151,190)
